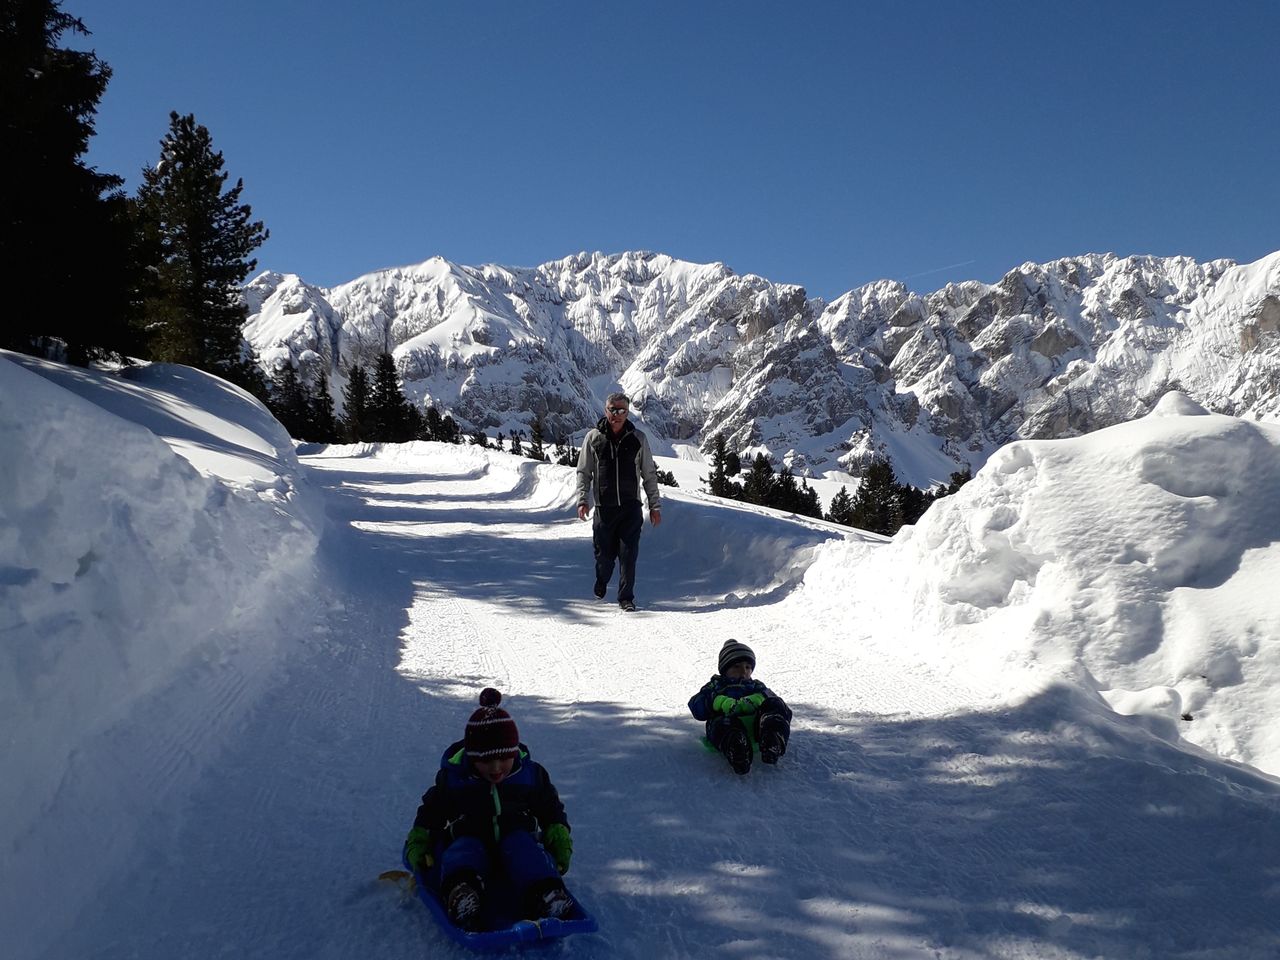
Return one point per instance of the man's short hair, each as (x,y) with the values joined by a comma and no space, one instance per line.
(617,398)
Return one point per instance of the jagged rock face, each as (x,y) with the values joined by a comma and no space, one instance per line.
(1051,350)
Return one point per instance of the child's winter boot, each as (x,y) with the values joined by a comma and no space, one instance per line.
(737,749)
(555,902)
(464,902)
(773,740)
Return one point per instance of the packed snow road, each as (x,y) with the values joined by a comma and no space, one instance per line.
(918,813)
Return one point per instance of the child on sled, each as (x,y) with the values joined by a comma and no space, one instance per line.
(740,711)
(483,815)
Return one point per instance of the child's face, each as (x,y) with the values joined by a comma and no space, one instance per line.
(495,769)
(739,671)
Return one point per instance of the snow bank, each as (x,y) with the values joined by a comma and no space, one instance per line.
(148,523)
(1138,561)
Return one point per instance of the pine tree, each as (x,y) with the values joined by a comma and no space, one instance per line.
(566,453)
(323,424)
(875,505)
(758,485)
(958,480)
(913,502)
(290,403)
(841,508)
(535,442)
(515,444)
(717,481)
(64,226)
(201,239)
(809,505)
(450,432)
(356,416)
(433,425)
(391,417)
(732,464)
(784,494)
(480,439)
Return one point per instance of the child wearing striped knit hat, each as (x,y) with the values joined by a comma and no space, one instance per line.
(486,810)
(740,712)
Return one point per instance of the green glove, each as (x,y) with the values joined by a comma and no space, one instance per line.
(726,705)
(559,844)
(417,849)
(750,704)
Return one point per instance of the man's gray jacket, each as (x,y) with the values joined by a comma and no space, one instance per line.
(612,470)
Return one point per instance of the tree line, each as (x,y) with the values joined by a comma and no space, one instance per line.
(156,275)
(881,504)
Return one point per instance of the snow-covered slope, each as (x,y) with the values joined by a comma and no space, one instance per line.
(958,784)
(936,381)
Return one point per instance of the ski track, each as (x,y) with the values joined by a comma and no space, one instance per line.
(908,820)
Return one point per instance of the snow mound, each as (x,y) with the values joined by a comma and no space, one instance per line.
(147,522)
(1129,561)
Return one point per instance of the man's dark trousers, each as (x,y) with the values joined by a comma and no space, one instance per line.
(615,534)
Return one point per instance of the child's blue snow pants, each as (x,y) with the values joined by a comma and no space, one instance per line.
(517,854)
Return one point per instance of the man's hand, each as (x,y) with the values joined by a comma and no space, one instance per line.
(582,511)
(655,516)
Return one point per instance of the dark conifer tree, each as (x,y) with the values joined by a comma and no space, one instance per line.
(515,444)
(324,425)
(450,432)
(480,439)
(758,485)
(958,480)
(433,424)
(809,505)
(63,225)
(841,508)
(202,239)
(784,494)
(566,453)
(391,417)
(913,502)
(717,481)
(290,403)
(535,442)
(875,505)
(356,415)
(732,463)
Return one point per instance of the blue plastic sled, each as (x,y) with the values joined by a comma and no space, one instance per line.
(503,927)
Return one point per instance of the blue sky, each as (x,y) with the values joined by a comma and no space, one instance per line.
(823,144)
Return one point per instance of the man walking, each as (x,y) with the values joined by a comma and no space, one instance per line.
(615,462)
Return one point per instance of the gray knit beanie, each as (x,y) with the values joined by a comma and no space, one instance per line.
(732,652)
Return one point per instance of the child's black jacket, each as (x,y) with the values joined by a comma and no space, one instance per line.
(463,804)
(700,702)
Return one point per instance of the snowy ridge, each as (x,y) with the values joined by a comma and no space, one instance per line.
(938,381)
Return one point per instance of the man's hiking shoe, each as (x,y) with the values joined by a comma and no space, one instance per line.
(628,605)
(772,746)
(737,750)
(599,589)
(463,906)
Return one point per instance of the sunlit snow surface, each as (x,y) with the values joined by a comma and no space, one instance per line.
(216,732)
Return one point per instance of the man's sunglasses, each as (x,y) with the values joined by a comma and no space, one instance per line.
(617,409)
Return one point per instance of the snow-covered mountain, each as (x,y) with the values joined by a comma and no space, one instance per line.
(935,380)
